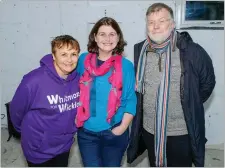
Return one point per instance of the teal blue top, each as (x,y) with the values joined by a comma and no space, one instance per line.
(99,96)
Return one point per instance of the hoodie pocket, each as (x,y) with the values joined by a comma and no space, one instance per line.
(53,142)
(32,140)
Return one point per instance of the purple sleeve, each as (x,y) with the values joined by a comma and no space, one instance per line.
(19,105)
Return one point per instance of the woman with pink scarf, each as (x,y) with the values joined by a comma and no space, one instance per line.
(107,97)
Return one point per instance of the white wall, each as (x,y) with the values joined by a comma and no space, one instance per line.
(27,27)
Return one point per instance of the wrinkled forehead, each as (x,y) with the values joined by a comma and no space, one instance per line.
(159,14)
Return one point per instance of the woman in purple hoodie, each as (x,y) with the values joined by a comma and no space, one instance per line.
(44,106)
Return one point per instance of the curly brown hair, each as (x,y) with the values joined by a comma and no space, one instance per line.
(107,21)
(60,41)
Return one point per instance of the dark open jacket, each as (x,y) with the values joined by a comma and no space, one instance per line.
(197,84)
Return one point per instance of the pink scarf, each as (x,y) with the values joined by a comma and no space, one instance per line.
(91,69)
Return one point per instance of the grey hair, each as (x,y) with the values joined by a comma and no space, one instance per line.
(157,7)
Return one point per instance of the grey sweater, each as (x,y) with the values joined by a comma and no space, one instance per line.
(175,123)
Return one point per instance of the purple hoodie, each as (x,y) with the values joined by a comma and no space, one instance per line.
(43,109)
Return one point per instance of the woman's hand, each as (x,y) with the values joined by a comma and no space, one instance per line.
(119,130)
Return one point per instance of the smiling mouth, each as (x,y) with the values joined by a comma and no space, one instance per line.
(107,44)
(69,65)
(156,33)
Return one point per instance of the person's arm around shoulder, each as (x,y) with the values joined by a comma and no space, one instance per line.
(80,63)
(20,104)
(131,100)
(206,73)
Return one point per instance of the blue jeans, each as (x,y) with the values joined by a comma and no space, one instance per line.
(102,149)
